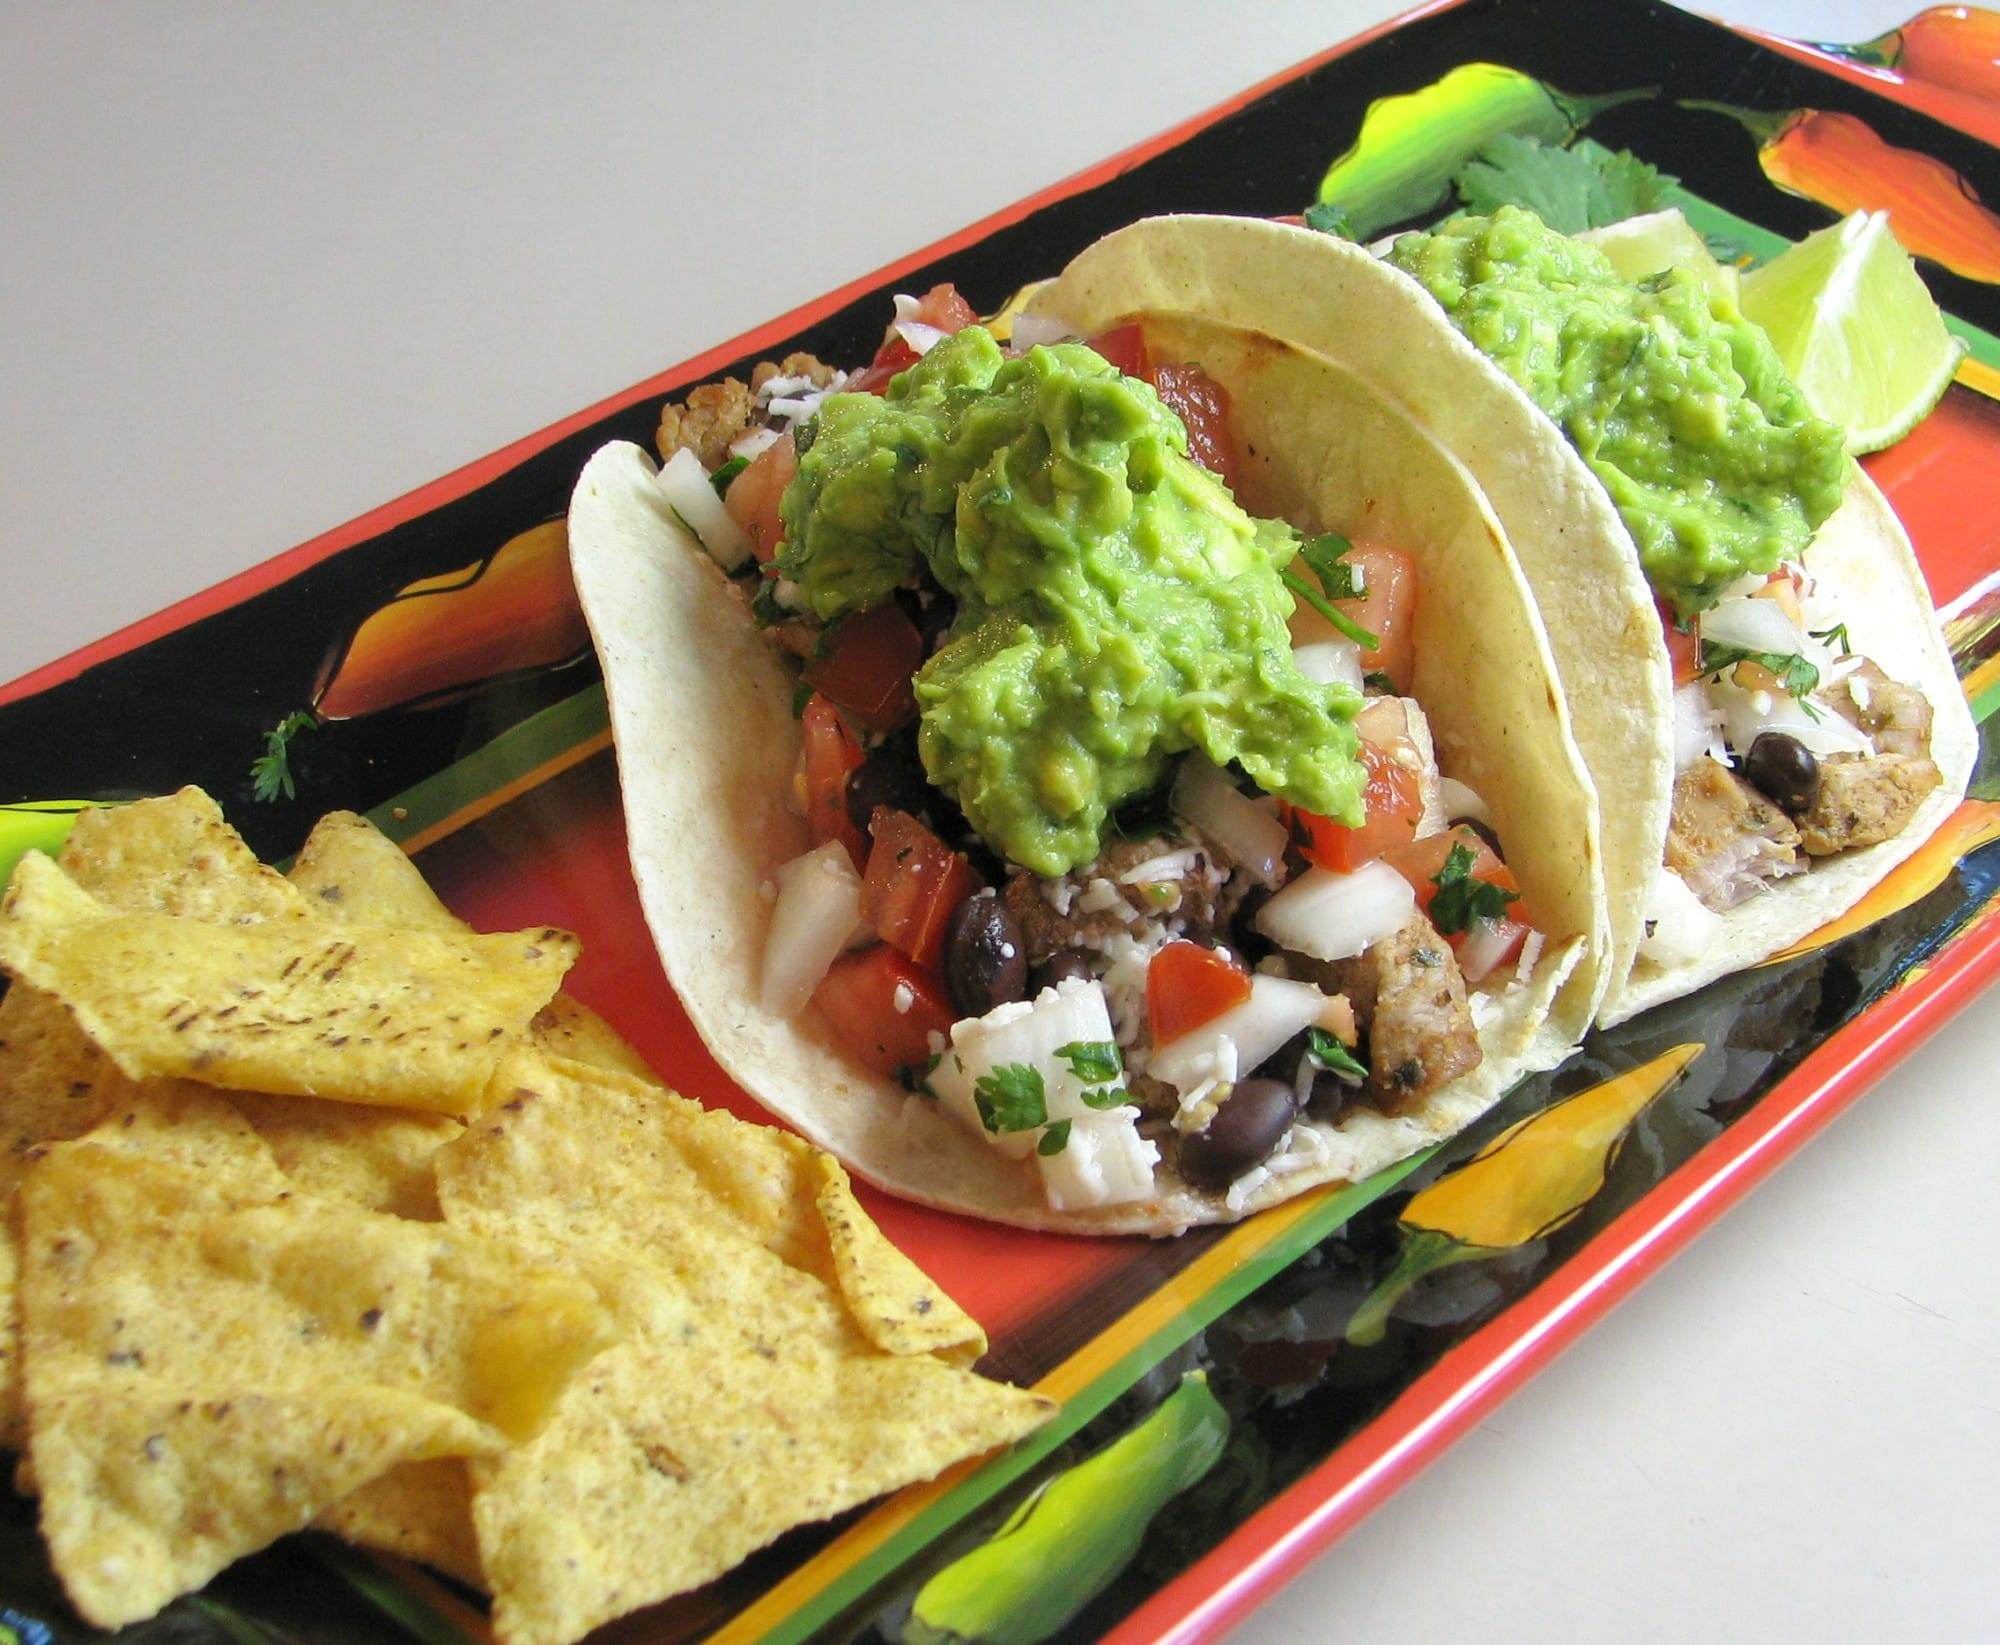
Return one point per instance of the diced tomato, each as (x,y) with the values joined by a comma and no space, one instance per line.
(829,755)
(1188,985)
(866,666)
(1496,943)
(753,496)
(1421,861)
(1683,649)
(1387,608)
(1203,405)
(859,995)
(1782,586)
(1394,801)
(1125,348)
(941,307)
(912,884)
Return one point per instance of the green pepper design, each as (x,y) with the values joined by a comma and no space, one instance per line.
(1411,146)
(1063,1546)
(35,825)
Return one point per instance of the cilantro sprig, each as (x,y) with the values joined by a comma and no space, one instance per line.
(1329,1054)
(1571,189)
(1095,1062)
(271,771)
(1324,217)
(1461,899)
(1011,1098)
(1798,676)
(1054,1140)
(1323,557)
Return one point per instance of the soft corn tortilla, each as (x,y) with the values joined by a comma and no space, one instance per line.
(701,710)
(1336,300)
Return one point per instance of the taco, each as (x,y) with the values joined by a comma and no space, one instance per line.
(1758,679)
(1044,832)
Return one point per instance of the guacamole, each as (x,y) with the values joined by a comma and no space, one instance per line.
(1115,605)
(1678,404)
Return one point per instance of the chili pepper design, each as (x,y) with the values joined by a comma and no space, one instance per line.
(35,825)
(1955,47)
(1535,1176)
(1410,146)
(1838,161)
(1061,1548)
(511,612)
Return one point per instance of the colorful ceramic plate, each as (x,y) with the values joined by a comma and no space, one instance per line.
(427,664)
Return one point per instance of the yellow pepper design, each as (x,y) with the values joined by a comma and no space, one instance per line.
(1528,1181)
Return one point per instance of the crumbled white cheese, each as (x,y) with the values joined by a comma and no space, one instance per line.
(903,998)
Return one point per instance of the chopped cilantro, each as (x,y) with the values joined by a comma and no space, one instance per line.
(271,771)
(918,1079)
(1105,1096)
(1324,217)
(1011,1098)
(1054,1140)
(728,471)
(1461,899)
(1092,1061)
(1376,680)
(764,604)
(1835,636)
(1798,676)
(803,434)
(1334,1057)
(1323,558)
(1571,189)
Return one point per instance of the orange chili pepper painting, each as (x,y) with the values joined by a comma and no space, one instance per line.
(1837,160)
(1955,47)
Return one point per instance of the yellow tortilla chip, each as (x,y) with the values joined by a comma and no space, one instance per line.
(745,1398)
(897,1305)
(379,1158)
(420,1511)
(176,856)
(163,1300)
(565,1028)
(358,1014)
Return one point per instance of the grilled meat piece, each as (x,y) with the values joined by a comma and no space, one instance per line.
(1725,839)
(1409,995)
(1198,898)
(1895,717)
(713,417)
(793,365)
(1865,799)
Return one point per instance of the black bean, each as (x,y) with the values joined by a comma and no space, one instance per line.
(1783,769)
(1240,1135)
(932,613)
(1064,965)
(891,775)
(985,957)
(1329,1096)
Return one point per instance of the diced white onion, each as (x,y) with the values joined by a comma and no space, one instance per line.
(1697,726)
(755,443)
(1330,662)
(1679,927)
(1754,624)
(919,336)
(1746,715)
(1485,946)
(1029,1032)
(1204,796)
(1335,916)
(1030,329)
(818,906)
(1462,803)
(1168,865)
(1105,1162)
(1277,1009)
(684,483)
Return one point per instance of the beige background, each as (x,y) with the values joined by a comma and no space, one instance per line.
(264,267)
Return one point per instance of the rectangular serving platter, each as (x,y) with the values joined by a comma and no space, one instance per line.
(1352,1333)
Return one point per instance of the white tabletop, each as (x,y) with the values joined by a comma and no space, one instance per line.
(263,268)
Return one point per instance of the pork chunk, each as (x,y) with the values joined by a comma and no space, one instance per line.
(1725,839)
(1197,898)
(1409,994)
(1865,799)
(1895,717)
(713,417)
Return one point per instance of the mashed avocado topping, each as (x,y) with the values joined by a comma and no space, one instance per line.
(1679,405)
(1115,605)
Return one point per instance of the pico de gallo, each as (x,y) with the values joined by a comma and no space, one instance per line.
(1130,846)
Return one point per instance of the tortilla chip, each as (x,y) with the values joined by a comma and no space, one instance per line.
(329,1343)
(745,1399)
(350,872)
(378,1158)
(565,1028)
(175,856)
(407,1019)
(897,1305)
(420,1511)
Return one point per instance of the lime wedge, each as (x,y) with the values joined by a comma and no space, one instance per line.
(1640,246)
(1856,327)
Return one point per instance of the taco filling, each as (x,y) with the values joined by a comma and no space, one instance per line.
(1129,843)
(1790,746)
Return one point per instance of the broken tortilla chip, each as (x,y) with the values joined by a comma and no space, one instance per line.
(420,1511)
(175,855)
(897,1305)
(745,1399)
(358,1014)
(164,1302)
